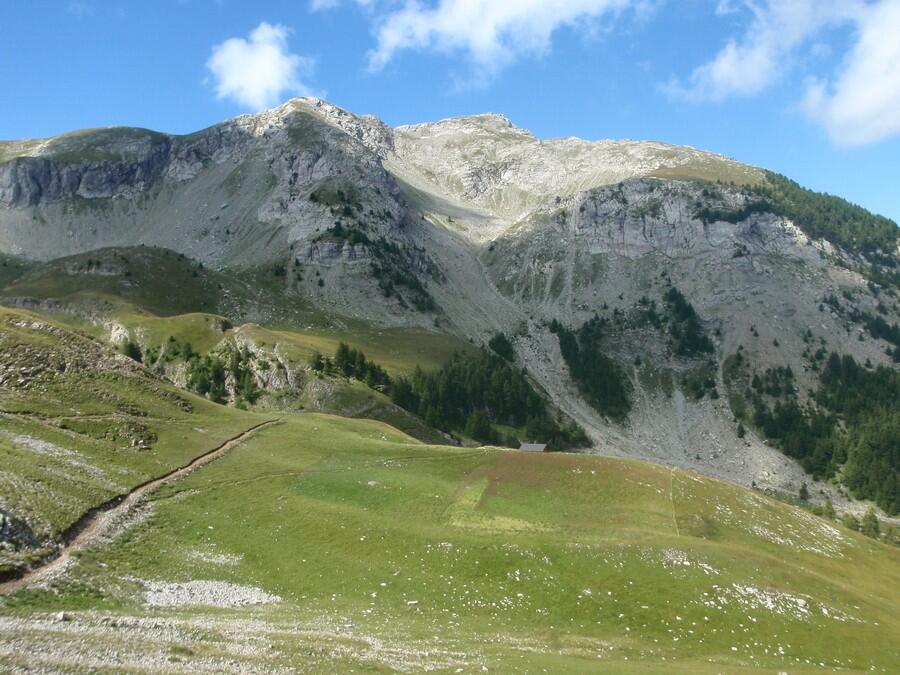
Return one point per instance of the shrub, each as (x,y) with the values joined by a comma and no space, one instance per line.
(132,351)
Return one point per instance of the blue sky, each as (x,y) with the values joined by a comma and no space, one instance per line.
(809,88)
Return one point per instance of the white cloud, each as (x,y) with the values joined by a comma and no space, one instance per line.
(863,104)
(858,104)
(747,65)
(491,34)
(257,72)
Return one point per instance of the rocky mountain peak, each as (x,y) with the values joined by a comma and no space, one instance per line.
(368,129)
(484,127)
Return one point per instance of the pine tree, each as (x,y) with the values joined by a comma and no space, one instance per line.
(359,365)
(478,426)
(217,380)
(828,511)
(132,351)
(245,386)
(199,382)
(342,358)
(869,525)
(851,522)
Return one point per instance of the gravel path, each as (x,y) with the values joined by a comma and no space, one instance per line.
(100,520)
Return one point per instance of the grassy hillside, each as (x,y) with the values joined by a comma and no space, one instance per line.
(156,293)
(149,296)
(12,267)
(712,171)
(331,544)
(398,350)
(80,424)
(163,283)
(109,144)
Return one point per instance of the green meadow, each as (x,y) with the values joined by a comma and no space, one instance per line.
(374,552)
(329,544)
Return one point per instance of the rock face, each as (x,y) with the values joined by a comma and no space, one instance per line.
(486,161)
(15,533)
(32,181)
(474,226)
(239,193)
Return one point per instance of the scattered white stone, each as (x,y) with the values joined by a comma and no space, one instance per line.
(674,558)
(216,558)
(209,593)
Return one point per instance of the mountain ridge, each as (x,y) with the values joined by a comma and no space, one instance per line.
(473,227)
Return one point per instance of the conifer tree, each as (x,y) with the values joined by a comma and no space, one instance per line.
(869,525)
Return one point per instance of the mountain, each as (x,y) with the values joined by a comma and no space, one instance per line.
(679,306)
(254,380)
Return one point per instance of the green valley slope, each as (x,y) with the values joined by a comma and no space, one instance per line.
(328,545)
(81,424)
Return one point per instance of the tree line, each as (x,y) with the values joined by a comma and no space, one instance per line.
(686,331)
(474,393)
(480,395)
(351,362)
(599,379)
(852,429)
(819,215)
